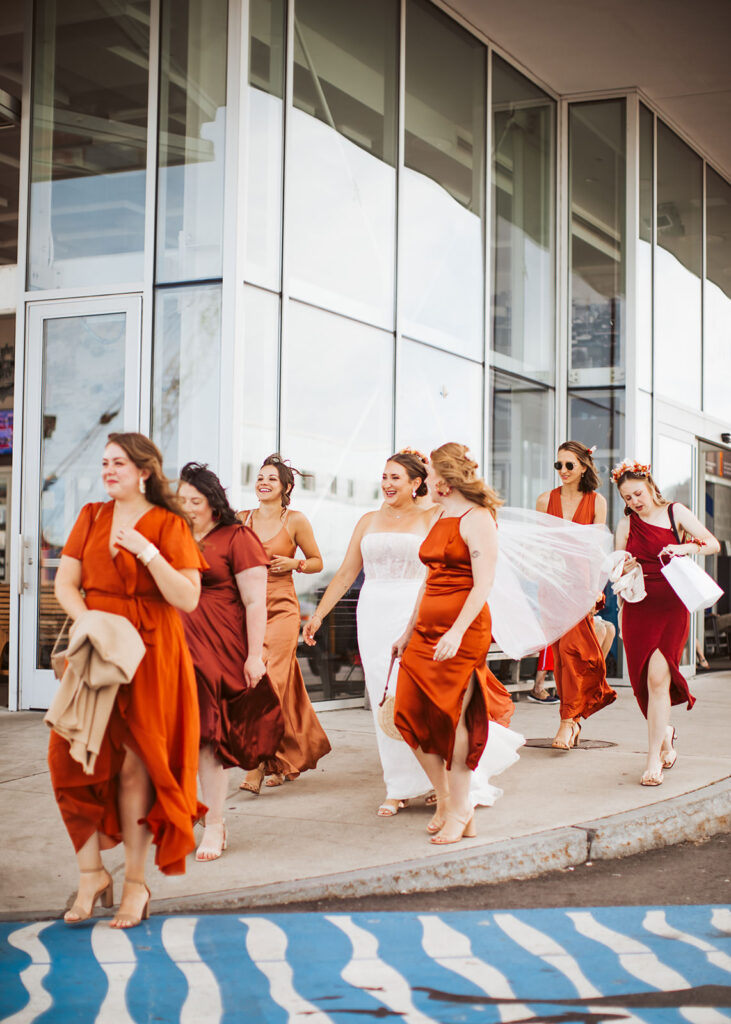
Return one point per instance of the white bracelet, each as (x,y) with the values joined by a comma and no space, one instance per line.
(147,554)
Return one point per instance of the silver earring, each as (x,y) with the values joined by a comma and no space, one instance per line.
(413,494)
(142,486)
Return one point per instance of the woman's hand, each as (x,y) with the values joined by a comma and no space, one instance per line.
(310,628)
(448,645)
(398,648)
(254,669)
(630,563)
(130,539)
(281,563)
(676,549)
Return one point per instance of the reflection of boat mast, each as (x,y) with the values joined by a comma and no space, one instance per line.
(83,444)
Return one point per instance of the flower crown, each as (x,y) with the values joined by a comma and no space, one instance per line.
(414,451)
(630,466)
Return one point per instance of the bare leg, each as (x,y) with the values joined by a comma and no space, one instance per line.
(658,710)
(92,878)
(606,637)
(539,687)
(136,796)
(214,786)
(436,772)
(460,776)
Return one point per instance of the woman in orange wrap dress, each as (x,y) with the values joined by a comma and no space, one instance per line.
(579,668)
(282,531)
(655,629)
(134,556)
(443,691)
(241,720)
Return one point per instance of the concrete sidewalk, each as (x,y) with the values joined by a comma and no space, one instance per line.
(319,837)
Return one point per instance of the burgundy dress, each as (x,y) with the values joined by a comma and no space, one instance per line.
(243,725)
(658,623)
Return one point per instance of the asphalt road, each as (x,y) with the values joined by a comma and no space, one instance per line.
(687,874)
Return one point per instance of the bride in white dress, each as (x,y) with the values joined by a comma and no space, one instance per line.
(385,545)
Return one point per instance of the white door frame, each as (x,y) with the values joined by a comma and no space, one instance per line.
(36,686)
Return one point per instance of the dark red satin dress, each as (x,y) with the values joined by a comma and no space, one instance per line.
(242,725)
(658,623)
(579,668)
(429,693)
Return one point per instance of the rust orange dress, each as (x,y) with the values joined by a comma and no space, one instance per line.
(429,694)
(243,725)
(579,668)
(156,715)
(304,741)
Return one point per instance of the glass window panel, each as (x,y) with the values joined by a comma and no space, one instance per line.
(717,308)
(441,267)
(259,400)
(673,470)
(89,143)
(186,375)
(341,198)
(82,355)
(192,139)
(439,399)
(523,248)
(340,434)
(643,431)
(678,269)
(523,451)
(596,417)
(597,246)
(644,252)
(265,126)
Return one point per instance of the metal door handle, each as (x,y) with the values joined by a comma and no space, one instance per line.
(24,558)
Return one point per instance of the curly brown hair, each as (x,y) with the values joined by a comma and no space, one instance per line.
(453,464)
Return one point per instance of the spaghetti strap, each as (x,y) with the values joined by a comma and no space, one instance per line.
(471,509)
(249,517)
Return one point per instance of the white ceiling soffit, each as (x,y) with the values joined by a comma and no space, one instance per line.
(676,51)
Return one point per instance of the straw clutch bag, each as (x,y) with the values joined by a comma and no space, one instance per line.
(385,709)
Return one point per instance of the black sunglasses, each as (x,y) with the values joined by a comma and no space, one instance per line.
(560,465)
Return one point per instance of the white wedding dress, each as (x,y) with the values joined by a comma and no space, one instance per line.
(393,576)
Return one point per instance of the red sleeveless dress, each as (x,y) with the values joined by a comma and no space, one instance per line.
(429,693)
(658,623)
(579,668)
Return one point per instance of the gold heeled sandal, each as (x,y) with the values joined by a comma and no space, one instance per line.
(214,841)
(467,830)
(252,782)
(122,920)
(669,755)
(438,818)
(106,892)
(390,808)
(572,740)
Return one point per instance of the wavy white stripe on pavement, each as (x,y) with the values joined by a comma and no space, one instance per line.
(368,972)
(203,1003)
(453,951)
(116,956)
(639,961)
(721,919)
(27,941)
(656,922)
(537,943)
(266,944)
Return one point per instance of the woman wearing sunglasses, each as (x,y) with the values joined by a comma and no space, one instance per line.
(579,667)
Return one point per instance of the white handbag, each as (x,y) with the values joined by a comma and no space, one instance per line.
(695,588)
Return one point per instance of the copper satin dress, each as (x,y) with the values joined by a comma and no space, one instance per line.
(579,669)
(304,741)
(243,725)
(659,622)
(430,693)
(156,715)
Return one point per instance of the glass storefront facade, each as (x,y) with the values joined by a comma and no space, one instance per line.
(350,228)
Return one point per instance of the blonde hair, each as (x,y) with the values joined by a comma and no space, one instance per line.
(454,465)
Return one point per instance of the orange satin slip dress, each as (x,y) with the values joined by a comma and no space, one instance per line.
(429,694)
(156,715)
(579,668)
(304,741)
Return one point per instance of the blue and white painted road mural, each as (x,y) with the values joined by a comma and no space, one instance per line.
(627,964)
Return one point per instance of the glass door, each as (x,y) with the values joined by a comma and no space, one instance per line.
(82,382)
